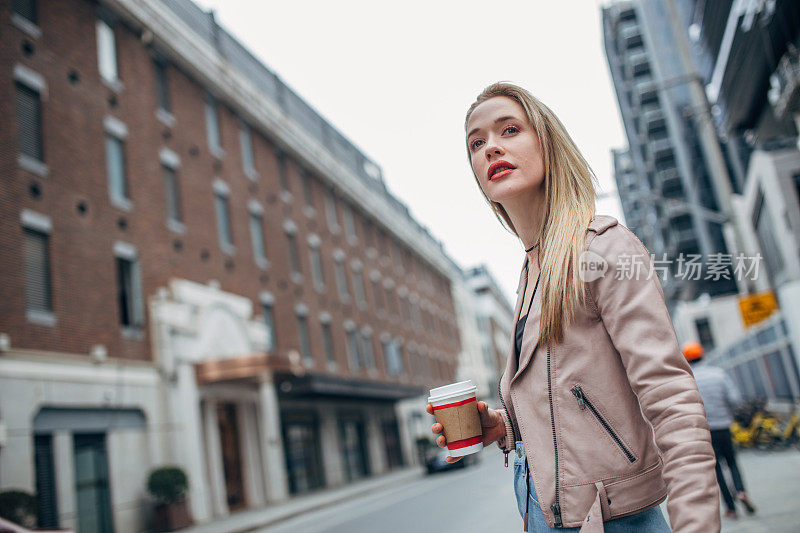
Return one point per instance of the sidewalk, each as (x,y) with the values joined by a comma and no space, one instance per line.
(772,479)
(249,520)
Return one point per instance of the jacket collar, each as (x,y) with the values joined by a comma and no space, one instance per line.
(530,339)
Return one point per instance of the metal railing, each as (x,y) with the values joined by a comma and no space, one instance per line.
(763,363)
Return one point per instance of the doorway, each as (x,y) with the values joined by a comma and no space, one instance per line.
(91,483)
(231,455)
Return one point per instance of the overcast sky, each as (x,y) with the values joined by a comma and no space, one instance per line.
(397,78)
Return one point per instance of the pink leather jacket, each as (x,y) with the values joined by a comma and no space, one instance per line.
(611,418)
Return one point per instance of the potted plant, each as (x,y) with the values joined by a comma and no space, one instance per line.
(19,507)
(168,485)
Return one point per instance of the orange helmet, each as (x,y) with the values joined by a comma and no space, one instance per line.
(692,350)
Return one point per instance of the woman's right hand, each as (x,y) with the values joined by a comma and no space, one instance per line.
(492,426)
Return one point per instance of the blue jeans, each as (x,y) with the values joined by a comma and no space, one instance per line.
(647,521)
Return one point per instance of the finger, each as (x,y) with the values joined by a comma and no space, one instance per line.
(429,408)
(441,441)
(437,428)
(452,459)
(482,407)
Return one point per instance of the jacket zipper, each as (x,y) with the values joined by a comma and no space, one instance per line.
(583,403)
(556,507)
(513,429)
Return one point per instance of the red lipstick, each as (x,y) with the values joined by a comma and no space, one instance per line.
(499,169)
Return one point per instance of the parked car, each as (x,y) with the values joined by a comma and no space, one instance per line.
(10,527)
(435,461)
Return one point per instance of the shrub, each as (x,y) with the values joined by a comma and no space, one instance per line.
(19,507)
(167,484)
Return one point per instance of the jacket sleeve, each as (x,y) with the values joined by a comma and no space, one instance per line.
(506,443)
(635,316)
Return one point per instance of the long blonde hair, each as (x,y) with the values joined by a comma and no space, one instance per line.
(569,188)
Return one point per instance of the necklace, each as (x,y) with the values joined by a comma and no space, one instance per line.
(528,250)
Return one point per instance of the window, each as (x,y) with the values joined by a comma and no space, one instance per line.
(38,290)
(257,235)
(349,222)
(796,179)
(162,85)
(172,194)
(327,340)
(369,238)
(212,127)
(294,253)
(358,287)
(45,481)
(283,172)
(246,142)
(269,323)
(106,52)
(766,237)
(308,192)
(305,342)
(404,309)
(391,302)
(367,351)
(115,168)
(26,9)
(29,119)
(704,333)
(353,350)
(223,218)
(129,287)
(341,279)
(330,212)
(394,358)
(316,265)
(377,294)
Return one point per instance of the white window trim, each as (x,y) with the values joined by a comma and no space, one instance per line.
(255,207)
(266,298)
(325,317)
(221,188)
(114,126)
(313,240)
(124,250)
(41,318)
(100,27)
(301,309)
(31,79)
(166,118)
(169,158)
(289,227)
(26,25)
(33,165)
(36,221)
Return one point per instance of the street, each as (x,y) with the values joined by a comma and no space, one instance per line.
(480,499)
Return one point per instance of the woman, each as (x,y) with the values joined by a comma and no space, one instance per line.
(599,404)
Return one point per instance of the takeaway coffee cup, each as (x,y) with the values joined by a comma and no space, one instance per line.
(456,409)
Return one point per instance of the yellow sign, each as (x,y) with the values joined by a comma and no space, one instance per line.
(757,307)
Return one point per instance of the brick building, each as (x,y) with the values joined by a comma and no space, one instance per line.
(197,269)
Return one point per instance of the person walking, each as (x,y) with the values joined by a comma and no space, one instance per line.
(720,397)
(600,406)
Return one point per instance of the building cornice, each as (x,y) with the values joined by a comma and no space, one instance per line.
(196,56)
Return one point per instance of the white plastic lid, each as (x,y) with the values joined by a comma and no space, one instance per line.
(453,389)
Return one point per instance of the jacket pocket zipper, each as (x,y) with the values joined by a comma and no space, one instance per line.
(583,403)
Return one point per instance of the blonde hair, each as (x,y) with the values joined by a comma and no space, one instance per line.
(569,189)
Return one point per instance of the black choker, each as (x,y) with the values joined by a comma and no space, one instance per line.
(528,250)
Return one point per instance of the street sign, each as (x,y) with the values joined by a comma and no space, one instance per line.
(757,307)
